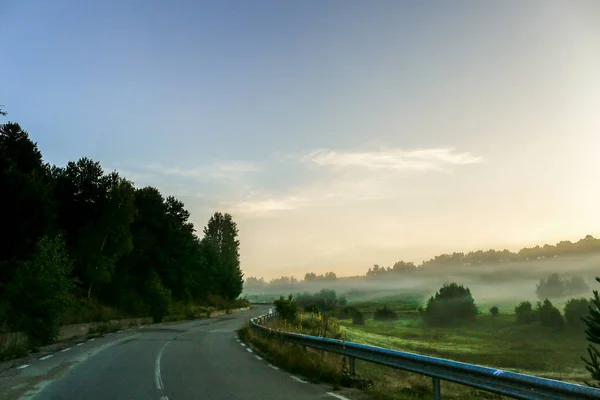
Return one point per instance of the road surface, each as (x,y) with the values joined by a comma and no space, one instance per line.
(177,361)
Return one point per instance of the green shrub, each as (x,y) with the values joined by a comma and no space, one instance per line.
(347,312)
(384,314)
(524,313)
(40,292)
(494,311)
(287,308)
(358,318)
(312,308)
(575,310)
(453,303)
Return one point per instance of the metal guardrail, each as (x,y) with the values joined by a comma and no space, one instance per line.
(510,384)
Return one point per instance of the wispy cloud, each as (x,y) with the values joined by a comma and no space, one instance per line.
(231,170)
(269,204)
(352,176)
(435,159)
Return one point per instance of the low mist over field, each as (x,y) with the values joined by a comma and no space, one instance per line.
(502,281)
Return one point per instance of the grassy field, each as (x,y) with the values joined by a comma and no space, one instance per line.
(491,341)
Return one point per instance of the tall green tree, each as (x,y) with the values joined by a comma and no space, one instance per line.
(28,211)
(221,234)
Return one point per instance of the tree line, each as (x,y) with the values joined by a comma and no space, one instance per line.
(584,246)
(78,232)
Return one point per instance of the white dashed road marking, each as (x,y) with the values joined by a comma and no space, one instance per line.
(274,367)
(243,344)
(23,366)
(67,349)
(249,350)
(46,357)
(258,357)
(163,398)
(79,344)
(298,379)
(91,340)
(337,396)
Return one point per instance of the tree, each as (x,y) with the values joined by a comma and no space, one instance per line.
(524,313)
(221,233)
(453,303)
(89,204)
(494,311)
(575,310)
(549,315)
(592,323)
(551,287)
(40,292)
(576,285)
(27,211)
(287,308)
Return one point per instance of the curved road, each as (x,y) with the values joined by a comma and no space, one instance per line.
(177,361)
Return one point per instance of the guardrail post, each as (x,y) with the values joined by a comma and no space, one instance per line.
(352,362)
(437,392)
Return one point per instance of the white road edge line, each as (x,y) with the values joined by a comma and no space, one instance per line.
(258,357)
(274,367)
(298,379)
(79,344)
(157,377)
(46,357)
(67,349)
(337,396)
(243,344)
(91,340)
(23,366)
(249,350)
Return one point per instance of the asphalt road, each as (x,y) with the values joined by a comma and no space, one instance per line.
(178,361)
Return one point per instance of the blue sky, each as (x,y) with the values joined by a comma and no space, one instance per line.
(338,133)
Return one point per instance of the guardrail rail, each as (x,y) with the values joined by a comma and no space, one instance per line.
(506,383)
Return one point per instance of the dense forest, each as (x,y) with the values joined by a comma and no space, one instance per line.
(78,234)
(585,246)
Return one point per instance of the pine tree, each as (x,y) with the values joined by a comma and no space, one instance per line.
(592,322)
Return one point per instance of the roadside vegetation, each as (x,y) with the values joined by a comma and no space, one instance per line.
(538,339)
(81,244)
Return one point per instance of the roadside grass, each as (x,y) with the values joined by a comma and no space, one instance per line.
(314,365)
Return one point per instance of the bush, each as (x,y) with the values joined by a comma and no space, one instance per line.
(40,292)
(453,303)
(313,309)
(549,315)
(575,310)
(287,308)
(384,314)
(347,312)
(358,318)
(524,312)
(158,298)
(494,311)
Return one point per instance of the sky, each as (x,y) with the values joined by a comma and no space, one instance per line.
(338,133)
